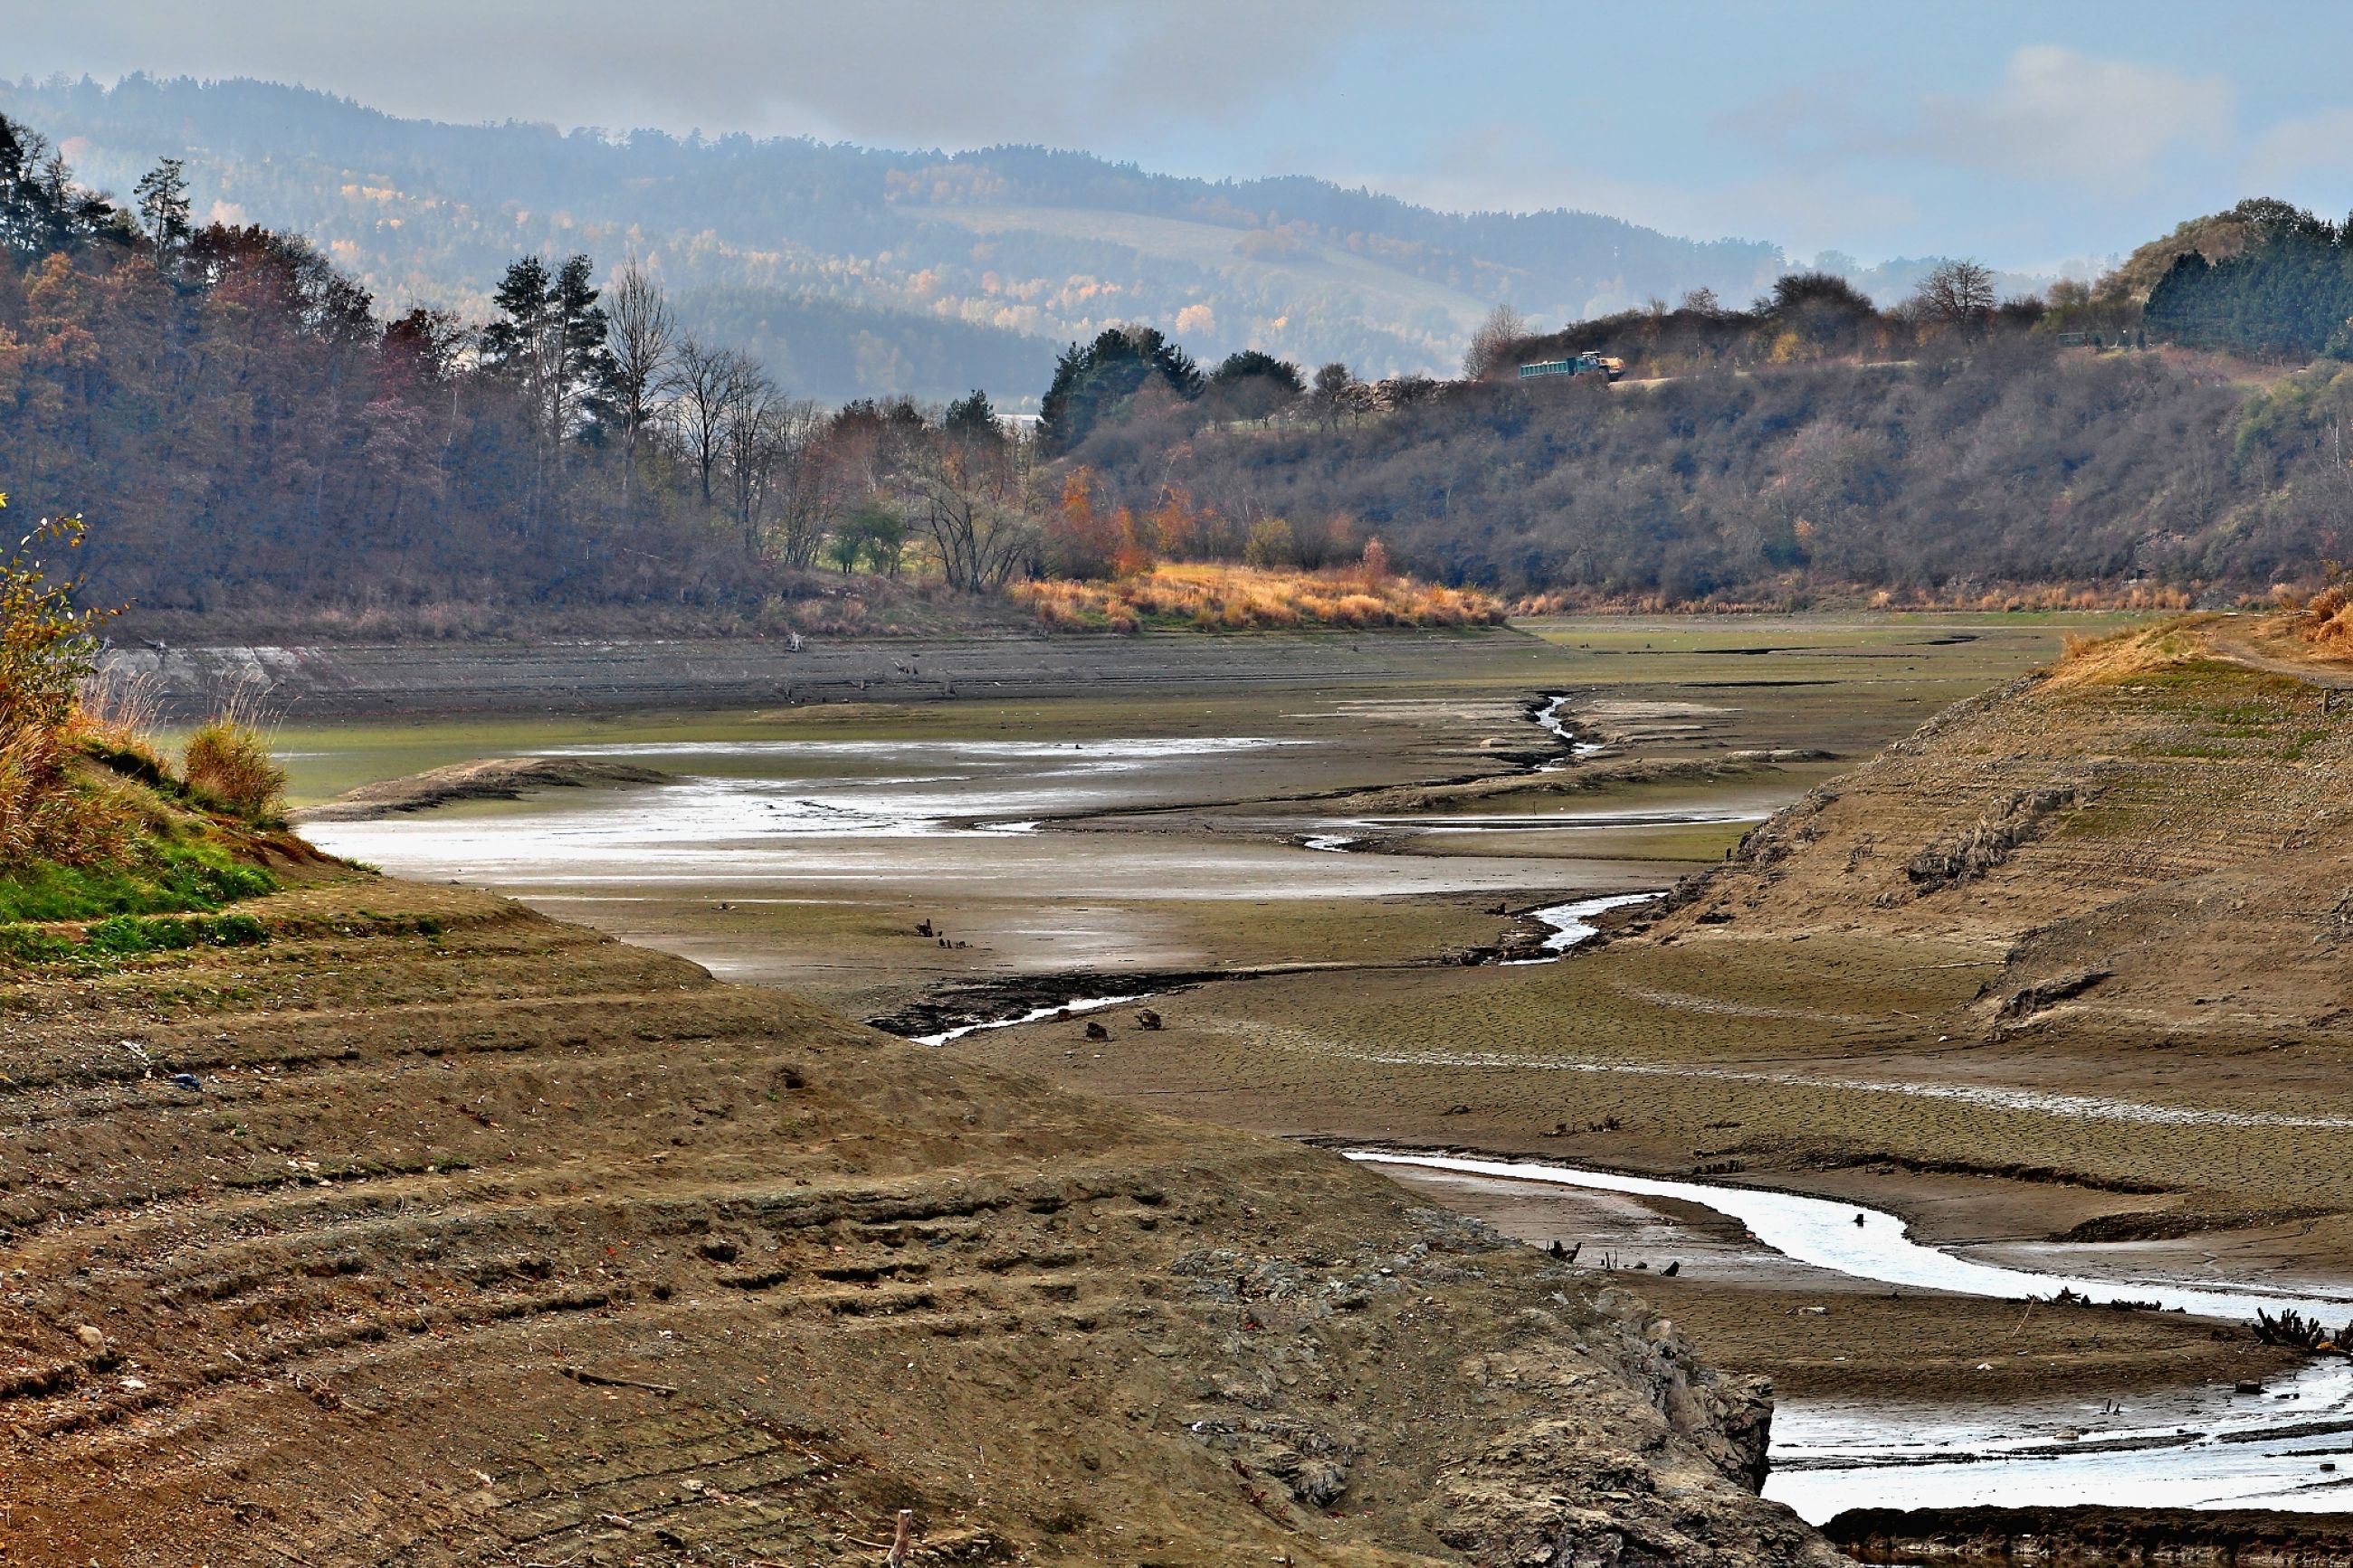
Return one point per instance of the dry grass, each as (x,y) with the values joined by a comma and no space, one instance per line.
(228,763)
(2325,621)
(1215,597)
(2011,598)
(2092,661)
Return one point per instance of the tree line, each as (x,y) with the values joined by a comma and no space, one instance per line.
(252,439)
(1809,447)
(248,437)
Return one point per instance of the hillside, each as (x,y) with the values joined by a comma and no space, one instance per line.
(2003,470)
(2145,839)
(909,272)
(473,1238)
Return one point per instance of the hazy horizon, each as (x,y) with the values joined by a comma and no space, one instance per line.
(2036,139)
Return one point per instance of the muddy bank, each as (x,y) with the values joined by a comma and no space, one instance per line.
(394,680)
(2092,1536)
(494,778)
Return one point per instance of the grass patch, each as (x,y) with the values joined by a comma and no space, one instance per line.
(166,877)
(127,936)
(1203,597)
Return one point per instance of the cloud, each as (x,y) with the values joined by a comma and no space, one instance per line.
(2054,116)
(900,71)
(2070,117)
(2307,149)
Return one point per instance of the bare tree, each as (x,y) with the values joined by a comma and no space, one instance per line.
(1957,294)
(644,342)
(1331,393)
(973,501)
(1491,344)
(753,440)
(801,489)
(712,383)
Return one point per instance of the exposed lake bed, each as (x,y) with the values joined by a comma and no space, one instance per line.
(1309,867)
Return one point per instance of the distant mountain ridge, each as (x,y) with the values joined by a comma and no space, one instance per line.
(878,271)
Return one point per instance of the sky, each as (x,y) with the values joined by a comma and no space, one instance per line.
(2033,136)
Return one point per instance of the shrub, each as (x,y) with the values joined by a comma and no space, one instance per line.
(229,766)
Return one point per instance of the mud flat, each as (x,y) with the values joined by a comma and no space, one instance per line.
(346,682)
(2061,975)
(495,778)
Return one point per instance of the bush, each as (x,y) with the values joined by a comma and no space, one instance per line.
(228,767)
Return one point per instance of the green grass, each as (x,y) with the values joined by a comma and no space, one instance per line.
(127,936)
(170,877)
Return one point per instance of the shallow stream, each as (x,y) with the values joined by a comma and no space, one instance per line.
(2220,1449)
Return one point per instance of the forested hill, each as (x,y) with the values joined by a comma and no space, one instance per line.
(862,272)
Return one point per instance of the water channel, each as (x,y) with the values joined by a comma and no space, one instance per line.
(2223,1448)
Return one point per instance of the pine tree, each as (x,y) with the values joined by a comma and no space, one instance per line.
(164,211)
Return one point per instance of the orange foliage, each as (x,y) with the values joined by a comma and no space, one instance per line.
(1213,597)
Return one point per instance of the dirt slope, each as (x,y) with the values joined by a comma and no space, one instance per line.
(2155,837)
(483,1239)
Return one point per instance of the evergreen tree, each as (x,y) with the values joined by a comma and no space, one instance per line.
(1252,385)
(973,417)
(1097,382)
(549,338)
(163,211)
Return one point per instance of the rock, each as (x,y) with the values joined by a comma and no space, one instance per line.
(91,1335)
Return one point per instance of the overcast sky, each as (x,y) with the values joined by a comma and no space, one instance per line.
(2025,133)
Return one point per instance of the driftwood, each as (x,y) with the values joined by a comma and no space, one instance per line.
(2294,1329)
(602,1380)
(903,1541)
